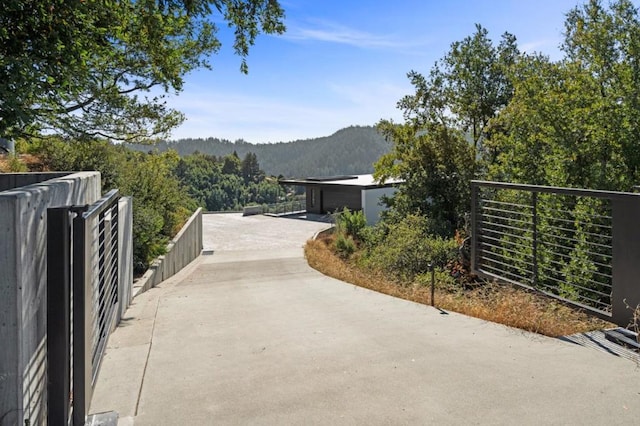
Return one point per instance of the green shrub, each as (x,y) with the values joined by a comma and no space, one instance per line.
(372,236)
(350,223)
(161,205)
(408,249)
(345,246)
(441,250)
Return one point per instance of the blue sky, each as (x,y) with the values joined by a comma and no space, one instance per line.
(344,63)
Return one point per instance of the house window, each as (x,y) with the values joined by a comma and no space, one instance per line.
(313,197)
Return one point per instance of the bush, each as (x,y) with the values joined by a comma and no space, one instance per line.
(409,248)
(441,250)
(443,280)
(345,246)
(350,223)
(160,204)
(14,165)
(372,236)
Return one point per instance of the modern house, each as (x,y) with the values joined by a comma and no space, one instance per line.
(355,192)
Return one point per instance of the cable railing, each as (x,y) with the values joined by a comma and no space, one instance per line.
(285,207)
(570,244)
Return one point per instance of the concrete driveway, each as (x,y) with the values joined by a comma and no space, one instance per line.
(252,335)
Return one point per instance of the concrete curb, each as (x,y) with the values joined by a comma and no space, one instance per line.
(323,233)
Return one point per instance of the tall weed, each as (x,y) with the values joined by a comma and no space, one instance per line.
(350,223)
(345,246)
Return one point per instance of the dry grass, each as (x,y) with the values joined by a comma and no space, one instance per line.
(635,326)
(492,302)
(33,163)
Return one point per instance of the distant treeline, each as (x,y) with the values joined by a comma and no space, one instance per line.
(227,183)
(352,150)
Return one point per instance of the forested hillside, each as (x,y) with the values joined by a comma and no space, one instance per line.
(352,150)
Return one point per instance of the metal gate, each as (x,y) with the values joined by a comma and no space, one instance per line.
(82,301)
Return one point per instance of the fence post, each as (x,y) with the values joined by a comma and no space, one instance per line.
(81,321)
(534,230)
(474,226)
(58,315)
(625,291)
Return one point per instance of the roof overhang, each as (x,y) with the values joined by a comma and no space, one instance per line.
(353,181)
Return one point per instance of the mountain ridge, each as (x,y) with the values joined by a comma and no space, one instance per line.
(351,150)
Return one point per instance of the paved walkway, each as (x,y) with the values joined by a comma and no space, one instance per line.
(252,335)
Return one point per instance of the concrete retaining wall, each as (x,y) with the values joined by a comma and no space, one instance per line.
(23,287)
(182,250)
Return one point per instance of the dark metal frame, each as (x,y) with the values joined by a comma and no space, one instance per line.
(624,247)
(59,315)
(77,331)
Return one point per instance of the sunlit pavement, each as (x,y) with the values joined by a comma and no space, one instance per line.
(249,334)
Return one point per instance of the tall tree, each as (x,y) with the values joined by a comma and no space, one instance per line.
(232,164)
(87,68)
(466,88)
(251,172)
(435,168)
(476,79)
(580,117)
(436,152)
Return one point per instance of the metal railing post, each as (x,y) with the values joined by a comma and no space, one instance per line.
(534,230)
(58,315)
(475,226)
(625,291)
(81,322)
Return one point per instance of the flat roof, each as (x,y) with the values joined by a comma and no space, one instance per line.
(364,181)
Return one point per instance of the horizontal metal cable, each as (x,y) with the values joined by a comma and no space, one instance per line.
(502,248)
(574,231)
(564,265)
(483,216)
(489,226)
(574,240)
(587,289)
(515,263)
(500,274)
(507,265)
(504,241)
(497,210)
(568,248)
(546,211)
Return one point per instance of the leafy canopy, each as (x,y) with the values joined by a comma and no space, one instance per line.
(486,110)
(579,118)
(439,147)
(102,67)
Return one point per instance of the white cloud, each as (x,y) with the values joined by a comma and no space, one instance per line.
(547,46)
(335,33)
